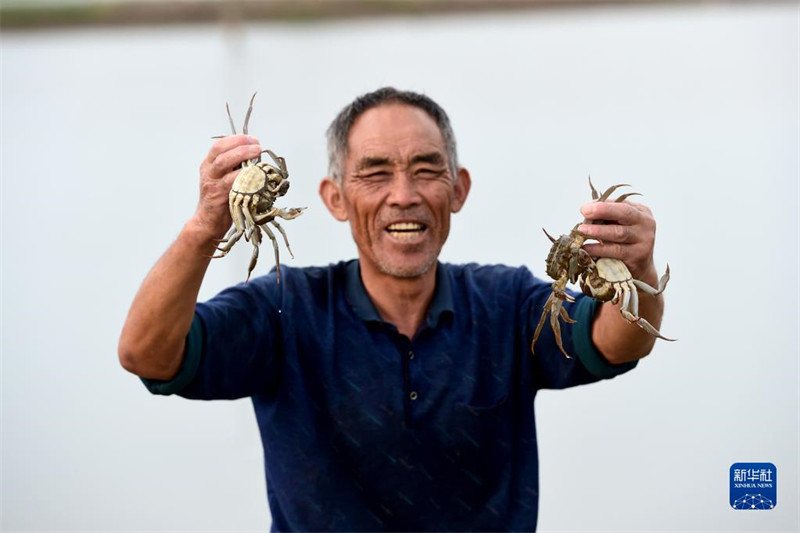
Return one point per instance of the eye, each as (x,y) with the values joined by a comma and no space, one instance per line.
(376,174)
(428,173)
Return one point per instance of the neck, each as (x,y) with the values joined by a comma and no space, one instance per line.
(403,302)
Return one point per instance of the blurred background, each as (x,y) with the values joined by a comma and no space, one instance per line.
(108,109)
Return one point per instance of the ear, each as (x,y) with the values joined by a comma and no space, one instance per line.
(461,189)
(331,193)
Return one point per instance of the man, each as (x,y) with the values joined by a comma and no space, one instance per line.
(393,392)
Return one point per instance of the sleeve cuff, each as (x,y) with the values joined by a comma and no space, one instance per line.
(191,362)
(592,359)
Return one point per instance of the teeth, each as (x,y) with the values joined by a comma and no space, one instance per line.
(406,226)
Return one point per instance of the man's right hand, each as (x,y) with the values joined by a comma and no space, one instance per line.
(152,341)
(217,173)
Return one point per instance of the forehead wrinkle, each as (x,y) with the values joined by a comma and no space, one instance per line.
(395,131)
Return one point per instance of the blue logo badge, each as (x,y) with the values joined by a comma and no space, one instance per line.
(754,486)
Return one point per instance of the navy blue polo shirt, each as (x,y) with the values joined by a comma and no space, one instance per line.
(365,429)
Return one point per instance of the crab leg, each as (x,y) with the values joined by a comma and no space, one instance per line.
(630,312)
(229,234)
(278,159)
(248,215)
(568,319)
(234,234)
(288,214)
(249,110)
(644,324)
(285,238)
(557,329)
(277,252)
(662,284)
(626,300)
(605,195)
(230,118)
(634,305)
(269,217)
(648,327)
(256,235)
(595,194)
(546,310)
(554,307)
(611,189)
(235,207)
(627,195)
(226,239)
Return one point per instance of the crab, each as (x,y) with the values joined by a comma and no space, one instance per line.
(251,200)
(604,279)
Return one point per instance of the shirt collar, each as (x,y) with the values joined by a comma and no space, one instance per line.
(362,305)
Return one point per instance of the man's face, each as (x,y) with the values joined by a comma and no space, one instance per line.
(397,190)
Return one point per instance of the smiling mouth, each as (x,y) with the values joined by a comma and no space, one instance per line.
(406,230)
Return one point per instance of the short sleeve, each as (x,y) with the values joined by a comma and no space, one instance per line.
(233,346)
(191,361)
(551,369)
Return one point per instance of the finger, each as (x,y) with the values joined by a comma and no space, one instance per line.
(626,213)
(641,207)
(233,158)
(613,250)
(611,233)
(228,143)
(230,177)
(215,191)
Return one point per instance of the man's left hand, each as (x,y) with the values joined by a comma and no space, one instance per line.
(628,233)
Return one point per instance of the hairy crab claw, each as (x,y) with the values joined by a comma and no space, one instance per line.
(406,230)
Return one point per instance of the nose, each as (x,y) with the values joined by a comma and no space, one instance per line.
(403,191)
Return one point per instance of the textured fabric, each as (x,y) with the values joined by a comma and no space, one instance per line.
(365,429)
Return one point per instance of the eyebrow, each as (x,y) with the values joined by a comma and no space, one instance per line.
(372,161)
(366,162)
(433,158)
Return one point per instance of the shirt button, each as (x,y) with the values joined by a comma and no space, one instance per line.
(413,395)
(410,355)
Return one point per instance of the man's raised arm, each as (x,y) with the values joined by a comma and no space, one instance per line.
(152,341)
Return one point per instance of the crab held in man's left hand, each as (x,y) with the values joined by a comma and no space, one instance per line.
(604,279)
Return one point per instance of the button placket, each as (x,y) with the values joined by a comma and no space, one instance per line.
(412,393)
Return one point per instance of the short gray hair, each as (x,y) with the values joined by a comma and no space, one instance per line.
(339,130)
